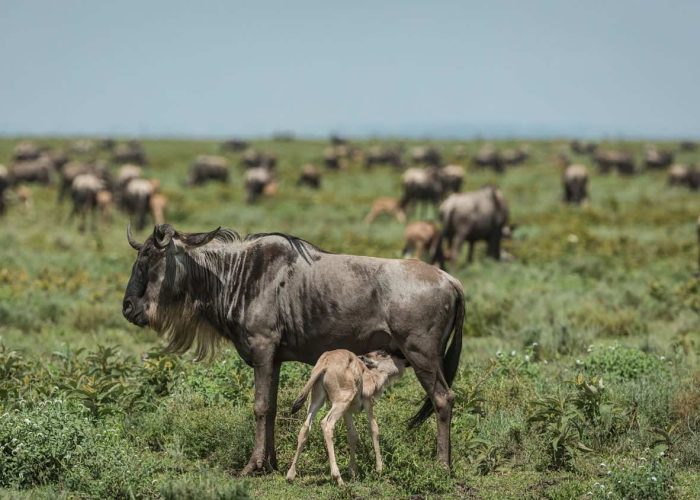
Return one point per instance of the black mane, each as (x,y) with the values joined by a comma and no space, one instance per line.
(302,247)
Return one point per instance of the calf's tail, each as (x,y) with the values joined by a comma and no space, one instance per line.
(316,373)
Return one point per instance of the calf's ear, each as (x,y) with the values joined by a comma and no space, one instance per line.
(368,362)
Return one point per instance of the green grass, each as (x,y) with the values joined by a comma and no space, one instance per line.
(606,291)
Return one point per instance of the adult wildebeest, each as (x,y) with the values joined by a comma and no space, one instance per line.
(254,159)
(426,155)
(377,155)
(684,175)
(26,151)
(129,152)
(279,298)
(656,158)
(421,185)
(575,181)
(208,168)
(234,145)
(452,178)
(4,184)
(474,216)
(38,171)
(310,176)
(136,199)
(618,160)
(489,157)
(256,180)
(583,148)
(84,191)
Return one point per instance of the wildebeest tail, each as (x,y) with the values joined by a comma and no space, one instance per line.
(316,373)
(450,362)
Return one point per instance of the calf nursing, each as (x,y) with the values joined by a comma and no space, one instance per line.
(350,383)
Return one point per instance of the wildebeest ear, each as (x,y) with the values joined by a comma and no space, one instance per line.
(163,235)
(368,362)
(199,239)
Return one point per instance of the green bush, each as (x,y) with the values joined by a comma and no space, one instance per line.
(622,362)
(204,488)
(39,444)
(647,478)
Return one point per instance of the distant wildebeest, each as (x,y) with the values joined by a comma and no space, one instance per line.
(688,145)
(32,171)
(68,173)
(655,158)
(4,185)
(378,155)
(426,155)
(256,180)
(129,152)
(336,157)
(513,157)
(460,152)
(310,176)
(83,147)
(279,298)
(697,230)
(452,177)
(234,145)
(253,158)
(26,151)
(386,205)
(107,144)
(84,192)
(337,140)
(475,216)
(575,182)
(583,148)
(423,238)
(684,175)
(350,383)
(614,160)
(208,168)
(489,157)
(421,185)
(136,200)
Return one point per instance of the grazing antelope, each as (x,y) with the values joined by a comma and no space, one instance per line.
(350,383)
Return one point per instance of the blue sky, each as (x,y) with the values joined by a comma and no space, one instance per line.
(218,68)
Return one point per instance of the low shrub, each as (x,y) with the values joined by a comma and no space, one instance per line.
(622,362)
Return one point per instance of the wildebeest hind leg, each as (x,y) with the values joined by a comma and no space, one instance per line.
(428,370)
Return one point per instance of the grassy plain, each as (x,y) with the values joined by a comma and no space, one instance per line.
(608,292)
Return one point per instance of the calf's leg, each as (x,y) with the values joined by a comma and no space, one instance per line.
(374,429)
(328,425)
(352,442)
(318,396)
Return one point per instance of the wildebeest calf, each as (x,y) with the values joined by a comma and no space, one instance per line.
(386,205)
(350,383)
(423,238)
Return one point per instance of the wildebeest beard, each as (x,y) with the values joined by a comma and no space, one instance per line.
(198,310)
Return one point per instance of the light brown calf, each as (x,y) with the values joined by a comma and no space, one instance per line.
(386,205)
(105,201)
(421,237)
(350,383)
(158,203)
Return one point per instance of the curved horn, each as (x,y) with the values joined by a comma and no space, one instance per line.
(199,239)
(130,238)
(162,235)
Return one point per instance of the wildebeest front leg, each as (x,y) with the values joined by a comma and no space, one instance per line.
(270,451)
(265,384)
